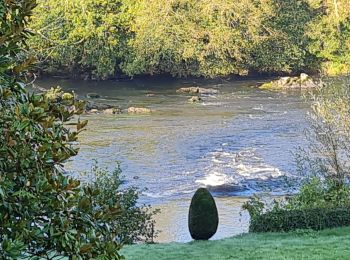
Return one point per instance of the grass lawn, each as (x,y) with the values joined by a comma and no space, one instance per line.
(326,244)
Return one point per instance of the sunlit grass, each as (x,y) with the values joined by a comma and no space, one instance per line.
(327,244)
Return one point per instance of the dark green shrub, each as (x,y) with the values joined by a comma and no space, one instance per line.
(203,216)
(288,220)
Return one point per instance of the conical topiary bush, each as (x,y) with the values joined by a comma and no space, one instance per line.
(203,216)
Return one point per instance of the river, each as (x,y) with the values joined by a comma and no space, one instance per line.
(237,143)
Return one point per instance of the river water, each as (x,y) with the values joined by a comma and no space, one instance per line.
(237,143)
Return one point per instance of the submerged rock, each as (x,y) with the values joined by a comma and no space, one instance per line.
(198,90)
(195,99)
(95,105)
(192,90)
(304,81)
(227,189)
(92,95)
(139,110)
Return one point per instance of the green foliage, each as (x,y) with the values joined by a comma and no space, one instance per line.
(254,206)
(45,214)
(187,37)
(327,154)
(323,166)
(316,206)
(14,16)
(283,47)
(79,37)
(203,216)
(318,194)
(134,223)
(310,218)
(217,38)
(329,35)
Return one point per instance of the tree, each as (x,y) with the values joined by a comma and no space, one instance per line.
(79,37)
(329,137)
(192,38)
(330,35)
(284,45)
(200,38)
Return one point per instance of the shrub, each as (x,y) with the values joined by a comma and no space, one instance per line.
(288,220)
(324,168)
(45,214)
(203,216)
(135,222)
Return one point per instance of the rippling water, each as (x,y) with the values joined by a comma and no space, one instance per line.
(236,143)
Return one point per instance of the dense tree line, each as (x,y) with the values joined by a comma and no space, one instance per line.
(101,38)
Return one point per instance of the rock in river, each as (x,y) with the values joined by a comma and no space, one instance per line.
(95,107)
(112,111)
(92,95)
(226,189)
(139,110)
(93,111)
(195,99)
(198,90)
(304,81)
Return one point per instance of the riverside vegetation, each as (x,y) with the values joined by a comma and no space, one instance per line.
(102,39)
(45,214)
(324,198)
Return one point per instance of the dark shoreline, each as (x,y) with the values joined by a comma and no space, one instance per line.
(185,80)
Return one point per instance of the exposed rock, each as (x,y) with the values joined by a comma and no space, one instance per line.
(198,90)
(93,111)
(92,95)
(139,110)
(304,77)
(195,99)
(304,81)
(112,111)
(95,107)
(192,90)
